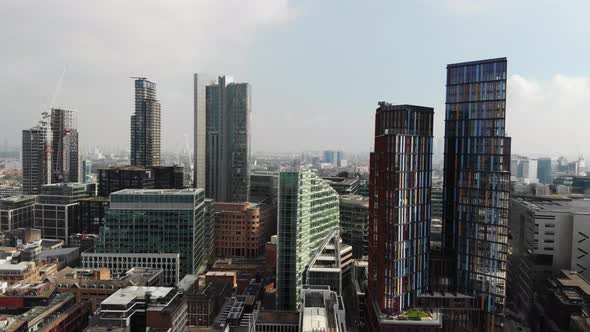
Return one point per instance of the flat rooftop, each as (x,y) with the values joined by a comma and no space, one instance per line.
(573,279)
(127,295)
(184,191)
(355,199)
(579,206)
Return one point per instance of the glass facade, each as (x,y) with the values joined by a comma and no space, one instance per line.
(308,214)
(157,221)
(477,183)
(544,171)
(399,206)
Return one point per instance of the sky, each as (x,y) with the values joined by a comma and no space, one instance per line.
(317,68)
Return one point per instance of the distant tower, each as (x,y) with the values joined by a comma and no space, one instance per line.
(65,156)
(145,125)
(36,157)
(581,166)
(228,108)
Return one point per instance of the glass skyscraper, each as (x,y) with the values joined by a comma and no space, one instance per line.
(65,153)
(145,125)
(308,214)
(399,209)
(157,221)
(477,184)
(228,108)
(544,172)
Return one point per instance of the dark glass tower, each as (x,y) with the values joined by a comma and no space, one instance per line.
(64,131)
(399,208)
(477,184)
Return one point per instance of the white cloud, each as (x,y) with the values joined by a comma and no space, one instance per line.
(549,116)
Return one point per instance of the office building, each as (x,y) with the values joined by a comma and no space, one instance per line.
(264,186)
(308,213)
(547,236)
(138,308)
(168,177)
(529,170)
(145,125)
(204,302)
(544,170)
(86,171)
(92,214)
(322,310)
(354,223)
(157,221)
(228,108)
(17,212)
(122,262)
(477,184)
(36,157)
(241,229)
(65,152)
(117,178)
(201,81)
(277,321)
(333,157)
(57,210)
(344,186)
(399,210)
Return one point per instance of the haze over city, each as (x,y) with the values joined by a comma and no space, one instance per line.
(315,67)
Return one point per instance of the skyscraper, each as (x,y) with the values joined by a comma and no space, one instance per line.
(544,171)
(399,208)
(36,157)
(200,129)
(308,214)
(64,132)
(477,184)
(145,125)
(228,108)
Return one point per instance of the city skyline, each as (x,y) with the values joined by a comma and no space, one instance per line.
(553,81)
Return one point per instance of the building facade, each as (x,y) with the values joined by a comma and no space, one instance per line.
(17,212)
(124,177)
(354,223)
(201,81)
(65,152)
(399,208)
(228,108)
(122,262)
(57,210)
(157,221)
(241,229)
(92,214)
(145,125)
(308,213)
(477,183)
(36,158)
(544,170)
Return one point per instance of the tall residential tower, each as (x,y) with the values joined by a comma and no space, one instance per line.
(399,211)
(36,156)
(145,125)
(477,184)
(65,153)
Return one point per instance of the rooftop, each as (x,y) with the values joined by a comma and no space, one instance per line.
(573,279)
(355,199)
(185,191)
(127,295)
(459,64)
(578,206)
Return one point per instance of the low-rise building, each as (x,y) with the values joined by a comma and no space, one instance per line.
(321,310)
(17,212)
(143,309)
(120,263)
(204,301)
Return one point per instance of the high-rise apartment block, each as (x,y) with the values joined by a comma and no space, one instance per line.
(36,157)
(157,221)
(308,214)
(477,184)
(399,210)
(145,125)
(65,152)
(227,141)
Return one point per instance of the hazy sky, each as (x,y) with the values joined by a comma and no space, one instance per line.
(317,68)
